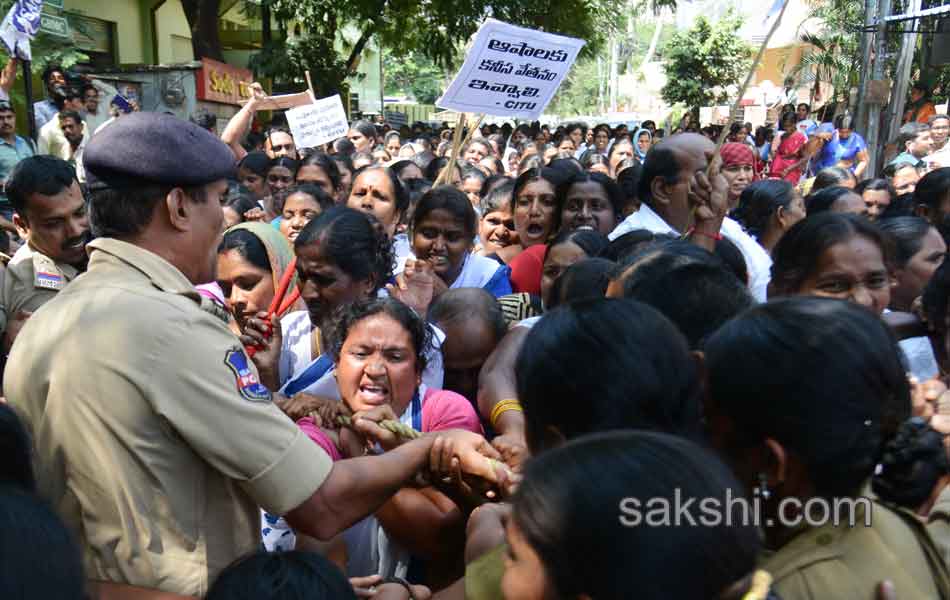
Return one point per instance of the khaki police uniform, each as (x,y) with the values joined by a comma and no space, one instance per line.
(848,562)
(154,439)
(31,280)
(938,523)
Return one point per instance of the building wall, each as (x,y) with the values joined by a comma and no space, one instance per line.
(777,64)
(173,34)
(369,86)
(129,17)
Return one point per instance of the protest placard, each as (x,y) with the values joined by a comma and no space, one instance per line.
(284,101)
(511,71)
(316,124)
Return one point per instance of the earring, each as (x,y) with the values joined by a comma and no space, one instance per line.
(763,488)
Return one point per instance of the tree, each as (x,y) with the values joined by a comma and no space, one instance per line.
(579,91)
(434,29)
(47,48)
(834,56)
(702,62)
(414,75)
(202,18)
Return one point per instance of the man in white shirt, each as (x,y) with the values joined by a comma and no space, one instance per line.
(674,191)
(96,98)
(51,139)
(75,133)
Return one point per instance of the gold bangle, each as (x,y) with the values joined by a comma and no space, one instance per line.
(503,407)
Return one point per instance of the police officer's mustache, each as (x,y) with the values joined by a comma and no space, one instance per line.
(78,241)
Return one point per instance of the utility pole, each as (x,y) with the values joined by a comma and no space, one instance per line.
(867,37)
(601,82)
(905,63)
(382,96)
(28,89)
(874,136)
(614,55)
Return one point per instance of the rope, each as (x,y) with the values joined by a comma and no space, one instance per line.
(407,433)
(399,429)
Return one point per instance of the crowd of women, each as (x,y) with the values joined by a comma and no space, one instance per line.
(609,369)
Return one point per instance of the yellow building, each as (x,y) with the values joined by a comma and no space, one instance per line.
(146,46)
(117,32)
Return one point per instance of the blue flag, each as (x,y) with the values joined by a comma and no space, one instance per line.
(20,26)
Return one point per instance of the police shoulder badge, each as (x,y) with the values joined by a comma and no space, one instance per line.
(45,273)
(247,383)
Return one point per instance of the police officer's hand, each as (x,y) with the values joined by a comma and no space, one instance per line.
(366,423)
(266,337)
(300,405)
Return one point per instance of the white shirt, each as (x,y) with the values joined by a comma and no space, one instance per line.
(106,94)
(758,262)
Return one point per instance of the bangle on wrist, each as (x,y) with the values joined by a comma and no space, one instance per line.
(503,407)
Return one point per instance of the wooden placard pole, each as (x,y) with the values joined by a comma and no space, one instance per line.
(457,142)
(735,105)
(313,95)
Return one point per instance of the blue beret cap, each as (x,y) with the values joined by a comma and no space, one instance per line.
(149,147)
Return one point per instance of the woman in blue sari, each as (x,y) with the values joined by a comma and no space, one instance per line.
(846,148)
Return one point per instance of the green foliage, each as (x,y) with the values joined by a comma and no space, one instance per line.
(285,61)
(835,54)
(707,56)
(579,91)
(48,49)
(413,75)
(639,43)
(435,29)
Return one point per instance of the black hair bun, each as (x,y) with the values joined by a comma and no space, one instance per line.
(913,462)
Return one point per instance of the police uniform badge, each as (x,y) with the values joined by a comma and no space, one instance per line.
(46,275)
(48,281)
(247,383)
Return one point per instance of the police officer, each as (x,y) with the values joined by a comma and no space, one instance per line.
(51,216)
(154,438)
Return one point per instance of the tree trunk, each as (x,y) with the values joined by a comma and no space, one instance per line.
(354,59)
(265,23)
(653,42)
(202,18)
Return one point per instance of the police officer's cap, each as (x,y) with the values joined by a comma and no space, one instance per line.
(147,147)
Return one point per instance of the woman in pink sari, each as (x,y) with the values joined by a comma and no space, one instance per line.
(790,154)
